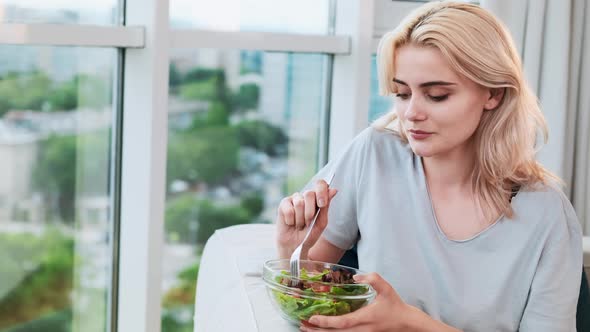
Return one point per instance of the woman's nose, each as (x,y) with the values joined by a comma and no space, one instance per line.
(415,111)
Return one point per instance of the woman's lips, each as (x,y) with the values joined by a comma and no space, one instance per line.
(419,134)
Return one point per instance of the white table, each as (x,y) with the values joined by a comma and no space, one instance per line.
(231,295)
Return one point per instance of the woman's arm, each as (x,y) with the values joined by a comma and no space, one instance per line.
(553,295)
(419,321)
(324,251)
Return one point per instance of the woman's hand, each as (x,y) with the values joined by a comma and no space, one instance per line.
(296,212)
(387,313)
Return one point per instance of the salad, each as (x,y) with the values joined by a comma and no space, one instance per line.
(330,293)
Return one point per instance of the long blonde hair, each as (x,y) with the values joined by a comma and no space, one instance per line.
(480,48)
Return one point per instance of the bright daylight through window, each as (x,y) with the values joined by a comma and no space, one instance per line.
(56,111)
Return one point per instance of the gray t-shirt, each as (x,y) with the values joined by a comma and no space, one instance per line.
(517,274)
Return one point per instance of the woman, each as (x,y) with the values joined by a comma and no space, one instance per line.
(463,229)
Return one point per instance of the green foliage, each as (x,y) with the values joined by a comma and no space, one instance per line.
(207,155)
(92,164)
(184,292)
(175,75)
(23,91)
(216,116)
(72,164)
(182,218)
(184,213)
(172,321)
(206,90)
(179,300)
(55,174)
(261,136)
(247,97)
(43,269)
(213,217)
(189,274)
(36,91)
(253,203)
(93,92)
(205,84)
(55,322)
(65,97)
(202,74)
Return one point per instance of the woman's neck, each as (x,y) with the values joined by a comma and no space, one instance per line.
(453,170)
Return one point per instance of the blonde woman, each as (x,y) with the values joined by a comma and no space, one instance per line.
(463,229)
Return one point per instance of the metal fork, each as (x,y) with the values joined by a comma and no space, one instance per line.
(296,255)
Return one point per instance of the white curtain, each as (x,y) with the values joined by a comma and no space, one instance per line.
(554,42)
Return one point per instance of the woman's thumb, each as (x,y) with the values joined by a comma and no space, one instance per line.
(323,216)
(331,193)
(380,285)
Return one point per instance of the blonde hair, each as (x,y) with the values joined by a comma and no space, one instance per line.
(480,48)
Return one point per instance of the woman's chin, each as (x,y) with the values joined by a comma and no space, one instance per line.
(422,151)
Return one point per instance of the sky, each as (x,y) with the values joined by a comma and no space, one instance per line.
(302,16)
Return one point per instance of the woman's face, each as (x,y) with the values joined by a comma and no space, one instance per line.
(438,108)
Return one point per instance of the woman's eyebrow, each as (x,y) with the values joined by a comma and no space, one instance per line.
(425,84)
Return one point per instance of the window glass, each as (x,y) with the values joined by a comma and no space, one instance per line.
(243,133)
(99,12)
(56,108)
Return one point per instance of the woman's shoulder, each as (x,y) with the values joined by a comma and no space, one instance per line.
(551,204)
(544,194)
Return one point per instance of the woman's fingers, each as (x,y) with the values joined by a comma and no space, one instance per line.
(299,206)
(321,193)
(298,209)
(381,286)
(286,212)
(323,217)
(310,206)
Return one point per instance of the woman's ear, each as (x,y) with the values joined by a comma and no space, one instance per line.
(494,99)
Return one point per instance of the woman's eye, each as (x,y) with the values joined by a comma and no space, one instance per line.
(402,96)
(438,98)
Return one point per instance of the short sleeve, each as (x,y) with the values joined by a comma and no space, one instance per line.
(342,229)
(554,291)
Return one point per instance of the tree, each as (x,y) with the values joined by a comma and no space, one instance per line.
(253,203)
(63,169)
(175,76)
(247,97)
(65,96)
(216,116)
(55,174)
(36,91)
(180,298)
(182,218)
(262,136)
(193,220)
(208,155)
(199,74)
(202,90)
(212,218)
(43,290)
(205,84)
(24,91)
(94,92)
(184,292)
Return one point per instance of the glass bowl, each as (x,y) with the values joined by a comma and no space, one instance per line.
(322,289)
